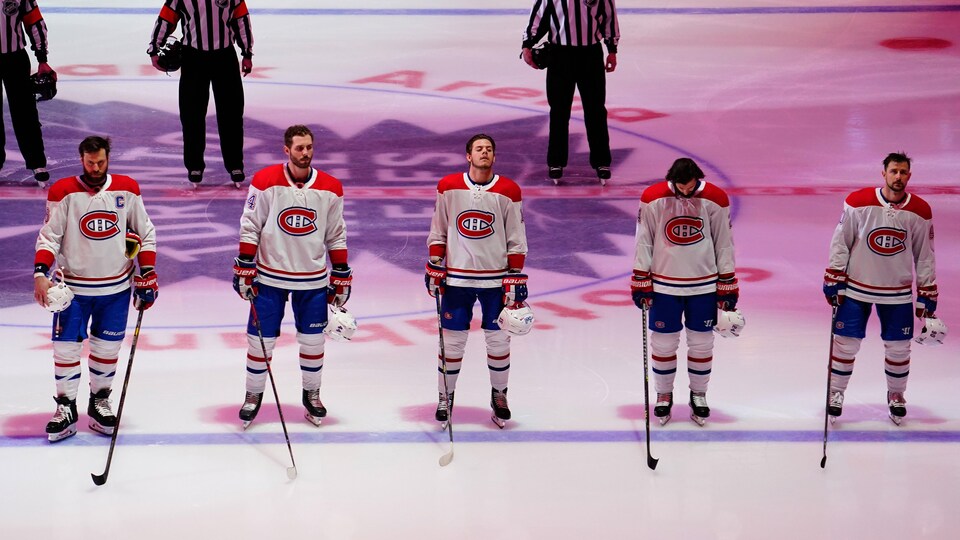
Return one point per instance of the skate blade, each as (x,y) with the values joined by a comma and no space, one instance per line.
(315,420)
(69,432)
(664,420)
(498,421)
(699,420)
(603,183)
(245,424)
(896,419)
(443,425)
(101,429)
(556,181)
(833,420)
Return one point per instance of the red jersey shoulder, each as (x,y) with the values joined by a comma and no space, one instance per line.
(656,191)
(268,177)
(862,198)
(119,182)
(715,194)
(919,207)
(325,182)
(63,187)
(451,181)
(507,187)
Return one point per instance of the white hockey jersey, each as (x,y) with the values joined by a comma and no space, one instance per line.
(479,229)
(685,243)
(878,244)
(84,232)
(290,229)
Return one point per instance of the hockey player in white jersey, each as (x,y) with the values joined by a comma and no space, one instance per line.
(95,226)
(477,247)
(883,234)
(683,273)
(292,222)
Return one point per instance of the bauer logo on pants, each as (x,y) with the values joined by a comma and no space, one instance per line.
(684,230)
(887,241)
(475,224)
(297,221)
(99,224)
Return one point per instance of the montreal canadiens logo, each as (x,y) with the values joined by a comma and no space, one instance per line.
(684,230)
(297,221)
(887,241)
(475,224)
(99,225)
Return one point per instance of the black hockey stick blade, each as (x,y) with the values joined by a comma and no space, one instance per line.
(99,479)
(823,462)
(652,462)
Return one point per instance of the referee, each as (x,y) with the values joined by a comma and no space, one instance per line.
(15,74)
(210,27)
(574,30)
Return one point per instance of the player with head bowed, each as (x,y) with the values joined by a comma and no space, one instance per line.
(477,247)
(292,223)
(884,234)
(684,272)
(95,226)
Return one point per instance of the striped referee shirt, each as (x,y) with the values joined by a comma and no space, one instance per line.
(573,22)
(18,15)
(208,25)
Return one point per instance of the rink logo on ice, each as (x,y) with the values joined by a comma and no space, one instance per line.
(298,221)
(475,224)
(99,225)
(684,230)
(887,241)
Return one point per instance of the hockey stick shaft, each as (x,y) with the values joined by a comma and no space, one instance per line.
(100,479)
(448,457)
(292,471)
(826,406)
(651,461)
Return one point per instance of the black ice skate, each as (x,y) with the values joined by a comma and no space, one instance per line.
(102,419)
(64,421)
(699,411)
(250,408)
(501,409)
(835,406)
(444,409)
(898,408)
(314,411)
(662,409)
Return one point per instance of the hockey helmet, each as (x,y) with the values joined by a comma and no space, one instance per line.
(170,55)
(516,319)
(44,85)
(729,323)
(341,325)
(933,333)
(541,56)
(59,296)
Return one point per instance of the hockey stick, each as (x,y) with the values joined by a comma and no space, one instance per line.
(826,408)
(291,471)
(448,457)
(651,461)
(101,479)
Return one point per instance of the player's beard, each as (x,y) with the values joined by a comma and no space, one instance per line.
(302,163)
(95,181)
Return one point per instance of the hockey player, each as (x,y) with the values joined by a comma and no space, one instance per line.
(95,226)
(292,223)
(883,234)
(477,246)
(683,273)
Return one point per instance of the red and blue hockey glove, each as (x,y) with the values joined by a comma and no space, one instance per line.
(728,292)
(641,289)
(132,245)
(435,279)
(245,280)
(145,290)
(514,289)
(926,303)
(341,281)
(834,286)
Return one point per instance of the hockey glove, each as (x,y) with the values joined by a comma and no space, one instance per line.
(514,289)
(834,285)
(132,245)
(435,279)
(245,278)
(641,288)
(341,279)
(728,292)
(926,303)
(145,290)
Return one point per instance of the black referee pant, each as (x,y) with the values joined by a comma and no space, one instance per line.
(200,71)
(15,75)
(581,68)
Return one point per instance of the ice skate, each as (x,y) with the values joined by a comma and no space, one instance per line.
(898,408)
(64,421)
(102,419)
(314,411)
(662,409)
(555,174)
(250,408)
(835,406)
(501,409)
(603,174)
(444,408)
(698,407)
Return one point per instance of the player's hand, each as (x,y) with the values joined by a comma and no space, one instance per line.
(145,290)
(155,61)
(44,68)
(728,292)
(245,278)
(611,63)
(834,286)
(641,289)
(514,289)
(926,303)
(527,55)
(341,281)
(40,286)
(246,66)
(435,279)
